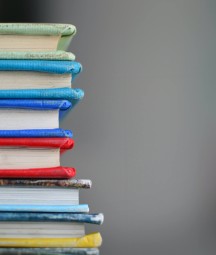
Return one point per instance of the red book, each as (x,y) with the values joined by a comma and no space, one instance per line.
(39,173)
(33,153)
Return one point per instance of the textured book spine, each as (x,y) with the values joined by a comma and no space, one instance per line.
(52,217)
(73,95)
(68,183)
(39,133)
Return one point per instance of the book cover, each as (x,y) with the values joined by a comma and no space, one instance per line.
(72,95)
(47,66)
(49,251)
(63,143)
(65,31)
(36,133)
(81,208)
(64,183)
(39,55)
(52,217)
(59,172)
(93,240)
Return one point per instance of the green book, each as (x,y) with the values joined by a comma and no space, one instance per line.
(37,55)
(37,37)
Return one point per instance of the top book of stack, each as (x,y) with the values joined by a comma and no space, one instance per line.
(35,37)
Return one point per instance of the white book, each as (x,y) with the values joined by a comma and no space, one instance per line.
(52,196)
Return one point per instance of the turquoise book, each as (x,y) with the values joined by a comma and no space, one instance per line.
(37,74)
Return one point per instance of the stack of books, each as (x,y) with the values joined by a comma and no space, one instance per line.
(40,211)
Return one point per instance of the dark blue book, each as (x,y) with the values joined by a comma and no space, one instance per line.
(34,114)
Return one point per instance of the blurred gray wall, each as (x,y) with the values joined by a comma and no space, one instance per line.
(146,131)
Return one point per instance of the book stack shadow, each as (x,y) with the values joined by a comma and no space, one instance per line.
(40,211)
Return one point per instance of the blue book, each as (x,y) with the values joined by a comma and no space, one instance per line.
(56,132)
(83,208)
(25,114)
(45,66)
(49,251)
(52,217)
(73,95)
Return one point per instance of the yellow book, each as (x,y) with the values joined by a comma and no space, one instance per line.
(93,240)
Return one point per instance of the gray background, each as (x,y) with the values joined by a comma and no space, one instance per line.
(145,132)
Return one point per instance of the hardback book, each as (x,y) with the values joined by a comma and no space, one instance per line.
(73,95)
(24,153)
(37,74)
(46,192)
(37,55)
(32,113)
(35,36)
(45,225)
(39,133)
(49,251)
(93,240)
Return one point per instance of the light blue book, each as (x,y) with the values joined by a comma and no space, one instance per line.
(83,208)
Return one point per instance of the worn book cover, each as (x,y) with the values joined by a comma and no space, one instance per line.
(96,218)
(64,183)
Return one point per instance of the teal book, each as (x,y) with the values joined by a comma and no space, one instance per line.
(37,74)
(73,95)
